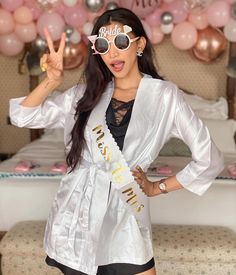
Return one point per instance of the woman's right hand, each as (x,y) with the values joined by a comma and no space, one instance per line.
(52,62)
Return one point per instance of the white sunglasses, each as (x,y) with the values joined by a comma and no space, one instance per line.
(101,45)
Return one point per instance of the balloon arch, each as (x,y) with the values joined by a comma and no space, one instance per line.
(202,26)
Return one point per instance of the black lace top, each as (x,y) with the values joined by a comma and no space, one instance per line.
(118,115)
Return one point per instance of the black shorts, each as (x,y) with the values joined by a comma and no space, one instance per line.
(111,269)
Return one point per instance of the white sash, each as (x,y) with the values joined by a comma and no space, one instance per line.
(115,164)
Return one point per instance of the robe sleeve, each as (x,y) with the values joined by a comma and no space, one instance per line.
(50,114)
(207,161)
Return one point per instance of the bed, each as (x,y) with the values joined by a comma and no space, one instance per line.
(29,196)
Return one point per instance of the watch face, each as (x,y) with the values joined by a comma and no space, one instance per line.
(162,186)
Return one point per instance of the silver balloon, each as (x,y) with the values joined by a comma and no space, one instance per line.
(166,18)
(94,5)
(233,11)
(40,44)
(67,39)
(112,6)
(68,30)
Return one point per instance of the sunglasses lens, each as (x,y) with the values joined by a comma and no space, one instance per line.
(122,41)
(101,45)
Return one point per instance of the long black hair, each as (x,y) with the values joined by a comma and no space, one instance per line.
(97,76)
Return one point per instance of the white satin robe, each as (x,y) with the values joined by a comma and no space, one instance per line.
(88,227)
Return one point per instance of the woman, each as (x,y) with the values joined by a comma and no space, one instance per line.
(115,126)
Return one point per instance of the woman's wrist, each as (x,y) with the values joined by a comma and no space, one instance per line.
(156,189)
(51,84)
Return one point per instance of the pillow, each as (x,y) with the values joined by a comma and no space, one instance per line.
(175,147)
(222,133)
(209,109)
(56,135)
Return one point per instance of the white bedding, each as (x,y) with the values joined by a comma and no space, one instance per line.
(31,198)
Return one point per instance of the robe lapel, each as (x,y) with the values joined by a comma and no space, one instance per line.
(138,122)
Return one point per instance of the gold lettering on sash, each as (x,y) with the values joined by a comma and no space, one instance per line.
(132,198)
(100,145)
(105,150)
(118,178)
(106,153)
(130,192)
(119,169)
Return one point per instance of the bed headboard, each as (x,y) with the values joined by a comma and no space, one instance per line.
(208,80)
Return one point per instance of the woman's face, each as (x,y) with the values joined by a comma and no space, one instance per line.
(121,63)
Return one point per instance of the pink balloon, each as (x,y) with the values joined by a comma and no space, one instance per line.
(54,22)
(11,5)
(230,1)
(26,32)
(23,15)
(76,15)
(140,8)
(92,16)
(34,8)
(218,13)
(60,9)
(179,11)
(198,19)
(10,44)
(147,29)
(164,6)
(154,19)
(6,22)
(157,35)
(184,36)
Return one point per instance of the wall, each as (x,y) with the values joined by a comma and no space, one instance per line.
(207,80)
(11,85)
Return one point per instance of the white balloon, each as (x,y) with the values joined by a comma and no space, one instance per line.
(167,29)
(75,37)
(70,3)
(230,30)
(87,28)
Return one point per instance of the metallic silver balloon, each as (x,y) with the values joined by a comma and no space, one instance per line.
(112,6)
(166,18)
(94,5)
(233,11)
(40,44)
(68,30)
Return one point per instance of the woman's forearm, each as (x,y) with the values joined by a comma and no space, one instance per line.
(40,93)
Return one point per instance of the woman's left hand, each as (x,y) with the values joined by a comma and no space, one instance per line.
(148,187)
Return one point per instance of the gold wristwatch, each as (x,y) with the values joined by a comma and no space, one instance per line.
(162,186)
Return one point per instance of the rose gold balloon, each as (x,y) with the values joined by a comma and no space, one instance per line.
(211,43)
(74,55)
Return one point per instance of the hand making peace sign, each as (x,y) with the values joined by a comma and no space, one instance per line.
(52,62)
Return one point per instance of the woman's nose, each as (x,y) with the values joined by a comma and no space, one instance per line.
(113,51)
